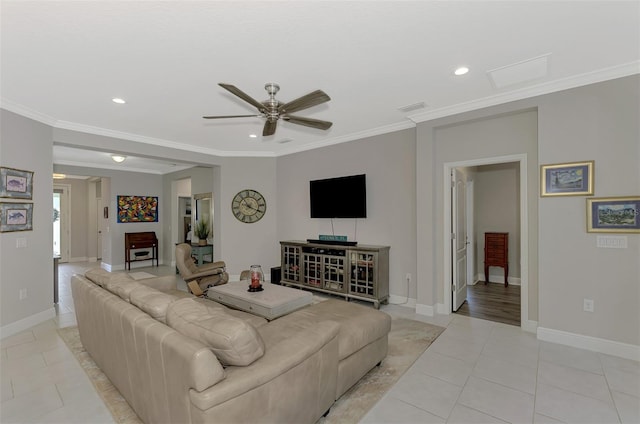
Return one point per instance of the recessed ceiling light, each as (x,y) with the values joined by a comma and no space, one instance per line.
(252,136)
(118,100)
(461,70)
(59,176)
(118,158)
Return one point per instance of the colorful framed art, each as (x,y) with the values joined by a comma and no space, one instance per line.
(137,209)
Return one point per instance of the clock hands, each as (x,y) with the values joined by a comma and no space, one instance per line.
(246,205)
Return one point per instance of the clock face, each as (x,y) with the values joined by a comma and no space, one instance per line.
(248,206)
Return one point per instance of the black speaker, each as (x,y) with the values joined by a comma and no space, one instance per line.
(276,274)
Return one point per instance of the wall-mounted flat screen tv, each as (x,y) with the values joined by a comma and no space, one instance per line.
(342,197)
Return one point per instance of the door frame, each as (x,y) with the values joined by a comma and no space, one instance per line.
(524,231)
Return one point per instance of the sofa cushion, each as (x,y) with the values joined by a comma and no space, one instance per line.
(233,340)
(102,277)
(152,301)
(254,320)
(359,325)
(123,288)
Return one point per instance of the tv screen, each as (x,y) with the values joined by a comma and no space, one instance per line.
(343,197)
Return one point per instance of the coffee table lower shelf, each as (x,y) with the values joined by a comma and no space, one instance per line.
(273,302)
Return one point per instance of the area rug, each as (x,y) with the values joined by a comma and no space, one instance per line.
(140,275)
(408,339)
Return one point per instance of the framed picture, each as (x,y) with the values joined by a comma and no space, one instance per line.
(137,209)
(613,215)
(16,217)
(16,183)
(567,179)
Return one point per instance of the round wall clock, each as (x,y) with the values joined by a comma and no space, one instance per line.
(248,206)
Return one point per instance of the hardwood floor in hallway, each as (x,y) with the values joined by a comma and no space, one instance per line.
(493,302)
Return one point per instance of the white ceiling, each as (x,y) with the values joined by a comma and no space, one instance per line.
(63,62)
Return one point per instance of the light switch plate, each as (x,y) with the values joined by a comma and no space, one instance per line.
(612,242)
(21,243)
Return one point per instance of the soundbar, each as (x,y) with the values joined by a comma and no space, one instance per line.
(333,242)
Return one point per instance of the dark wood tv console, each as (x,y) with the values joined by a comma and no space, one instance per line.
(136,241)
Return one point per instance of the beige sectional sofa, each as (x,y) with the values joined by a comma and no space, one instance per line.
(179,359)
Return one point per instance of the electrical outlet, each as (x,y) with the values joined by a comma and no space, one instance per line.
(21,243)
(23,294)
(408,277)
(588,305)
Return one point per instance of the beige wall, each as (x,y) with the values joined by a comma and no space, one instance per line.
(597,122)
(389,163)
(26,144)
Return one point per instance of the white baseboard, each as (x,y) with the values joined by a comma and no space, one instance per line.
(424,310)
(134,265)
(498,278)
(79,259)
(402,301)
(92,259)
(609,347)
(26,323)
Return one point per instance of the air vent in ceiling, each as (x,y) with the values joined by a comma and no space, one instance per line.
(412,107)
(517,73)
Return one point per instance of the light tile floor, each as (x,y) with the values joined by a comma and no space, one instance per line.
(476,372)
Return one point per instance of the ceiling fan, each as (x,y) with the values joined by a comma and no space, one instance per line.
(273,109)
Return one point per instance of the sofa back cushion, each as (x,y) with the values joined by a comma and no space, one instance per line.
(232,340)
(152,301)
(102,277)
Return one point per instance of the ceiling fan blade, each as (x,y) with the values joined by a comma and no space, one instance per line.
(308,100)
(244,96)
(231,116)
(308,122)
(269,128)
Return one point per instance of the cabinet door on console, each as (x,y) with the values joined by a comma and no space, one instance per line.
(363,273)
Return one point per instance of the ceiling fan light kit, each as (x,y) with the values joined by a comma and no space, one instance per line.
(273,110)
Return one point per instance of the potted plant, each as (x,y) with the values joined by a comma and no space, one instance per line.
(202,231)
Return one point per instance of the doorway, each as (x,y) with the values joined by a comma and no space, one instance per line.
(486,298)
(61,221)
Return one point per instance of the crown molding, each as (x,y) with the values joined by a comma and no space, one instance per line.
(21,110)
(600,75)
(72,126)
(121,168)
(349,137)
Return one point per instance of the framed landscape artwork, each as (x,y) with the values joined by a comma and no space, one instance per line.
(16,183)
(613,215)
(16,217)
(137,209)
(567,179)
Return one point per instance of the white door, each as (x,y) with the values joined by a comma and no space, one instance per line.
(458,239)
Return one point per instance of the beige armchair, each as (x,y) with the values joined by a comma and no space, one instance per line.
(199,278)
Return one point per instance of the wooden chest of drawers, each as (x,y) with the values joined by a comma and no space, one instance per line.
(496,253)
